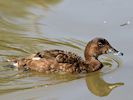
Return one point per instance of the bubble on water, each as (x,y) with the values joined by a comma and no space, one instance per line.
(104,22)
(128,22)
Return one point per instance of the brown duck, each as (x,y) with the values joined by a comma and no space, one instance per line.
(61,61)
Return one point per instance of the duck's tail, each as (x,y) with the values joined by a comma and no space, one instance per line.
(13,61)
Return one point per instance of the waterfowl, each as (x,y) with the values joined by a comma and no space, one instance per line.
(48,61)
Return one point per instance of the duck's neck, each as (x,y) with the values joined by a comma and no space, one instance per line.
(89,52)
(93,64)
(91,59)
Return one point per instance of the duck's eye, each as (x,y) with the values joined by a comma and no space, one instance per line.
(100,44)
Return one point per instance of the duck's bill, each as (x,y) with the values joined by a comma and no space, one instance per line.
(114,52)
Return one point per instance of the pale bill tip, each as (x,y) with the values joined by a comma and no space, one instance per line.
(119,53)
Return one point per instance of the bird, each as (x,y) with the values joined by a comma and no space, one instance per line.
(55,61)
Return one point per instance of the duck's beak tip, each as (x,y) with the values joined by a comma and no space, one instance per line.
(119,53)
(122,54)
(115,52)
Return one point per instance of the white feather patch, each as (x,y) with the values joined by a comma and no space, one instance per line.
(15,64)
(36,58)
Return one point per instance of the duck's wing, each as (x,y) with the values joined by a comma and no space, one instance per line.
(59,55)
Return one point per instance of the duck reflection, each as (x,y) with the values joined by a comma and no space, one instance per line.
(98,86)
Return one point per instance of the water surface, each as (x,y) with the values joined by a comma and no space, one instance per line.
(27,27)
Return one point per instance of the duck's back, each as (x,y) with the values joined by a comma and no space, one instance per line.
(52,61)
(60,56)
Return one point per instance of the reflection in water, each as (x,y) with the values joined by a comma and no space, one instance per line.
(18,80)
(23,16)
(97,85)
(18,22)
(19,8)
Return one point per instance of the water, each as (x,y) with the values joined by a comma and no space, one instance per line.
(27,27)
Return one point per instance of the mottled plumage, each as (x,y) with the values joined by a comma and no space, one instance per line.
(60,56)
(61,61)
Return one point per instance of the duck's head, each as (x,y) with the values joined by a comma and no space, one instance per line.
(99,46)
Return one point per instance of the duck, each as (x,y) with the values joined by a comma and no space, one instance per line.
(54,61)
